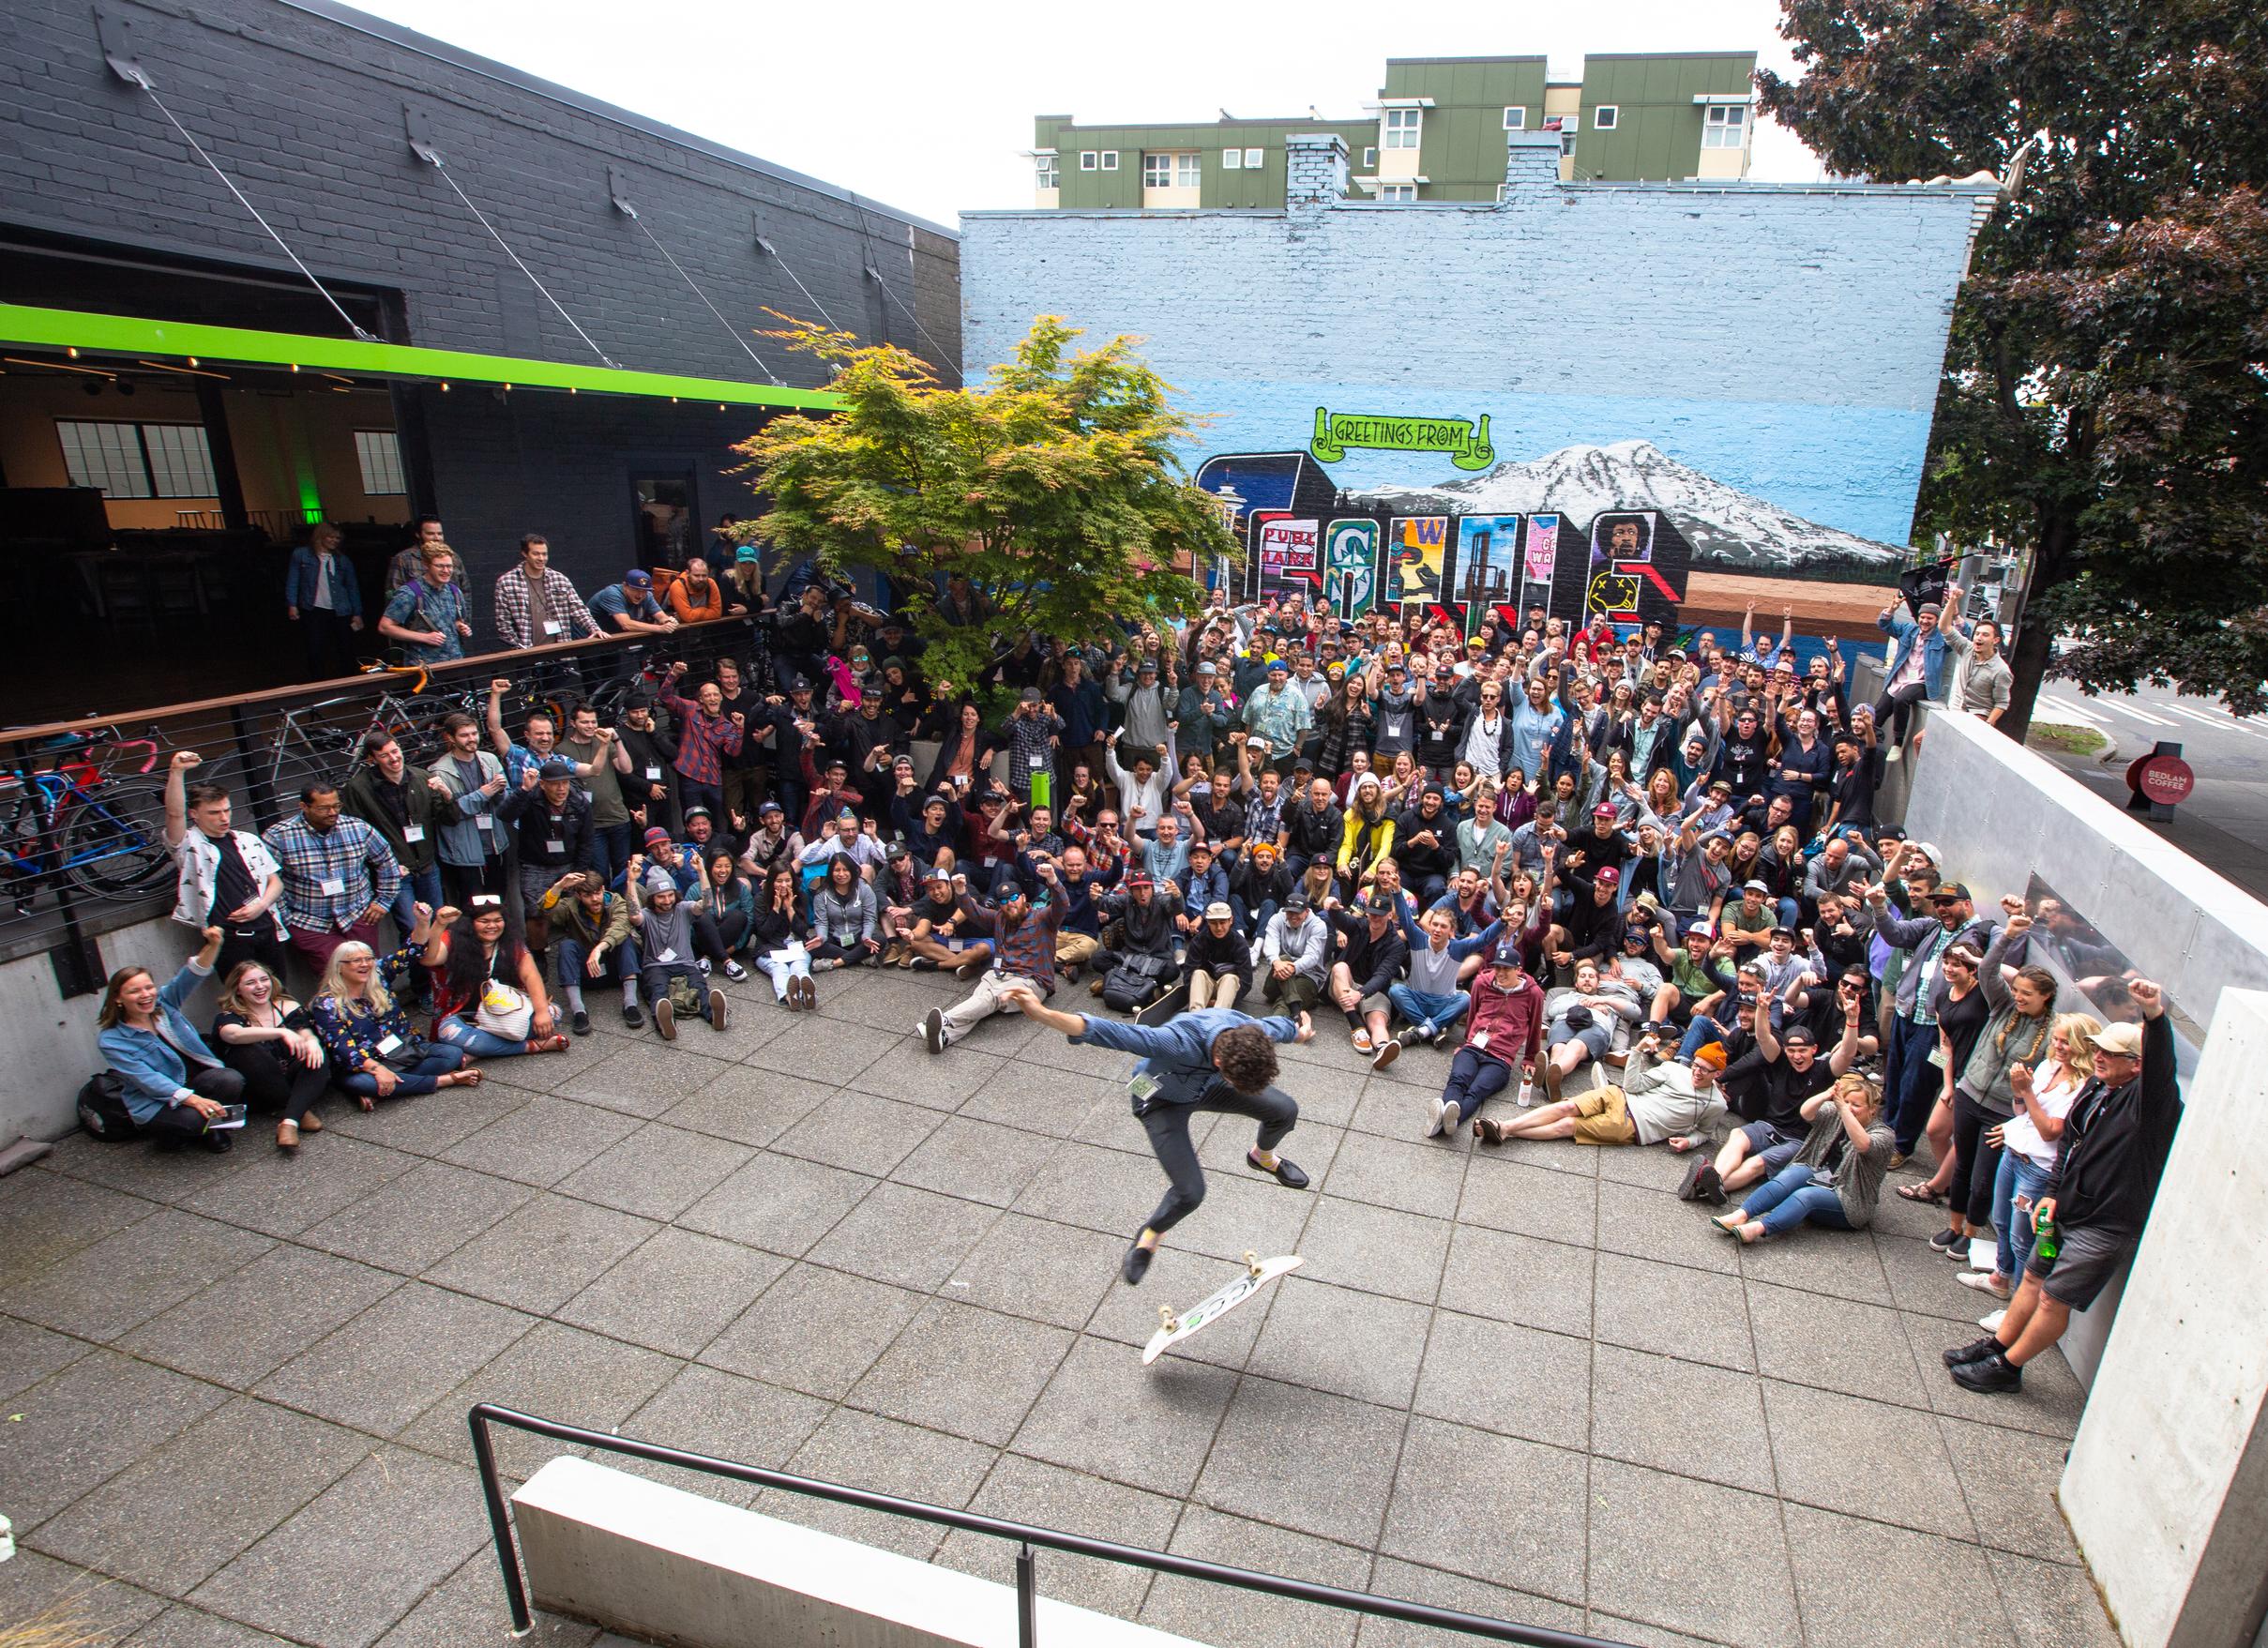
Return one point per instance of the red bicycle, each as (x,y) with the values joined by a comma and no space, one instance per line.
(70,820)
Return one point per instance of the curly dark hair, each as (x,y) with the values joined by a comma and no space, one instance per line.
(1245,1057)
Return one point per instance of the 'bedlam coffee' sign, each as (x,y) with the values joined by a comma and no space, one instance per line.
(2160,781)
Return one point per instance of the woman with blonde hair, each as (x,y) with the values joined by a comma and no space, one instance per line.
(1835,1180)
(269,1039)
(2021,1001)
(366,1029)
(2044,1095)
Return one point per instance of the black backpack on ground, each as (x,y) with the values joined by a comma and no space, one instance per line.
(102,1110)
(1129,987)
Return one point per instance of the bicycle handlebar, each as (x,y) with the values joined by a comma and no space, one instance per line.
(148,746)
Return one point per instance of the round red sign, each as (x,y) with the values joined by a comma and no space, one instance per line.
(2165,779)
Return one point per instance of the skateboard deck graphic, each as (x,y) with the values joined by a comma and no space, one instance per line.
(1172,1329)
(1165,1006)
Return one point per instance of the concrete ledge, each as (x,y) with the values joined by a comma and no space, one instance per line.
(670,1567)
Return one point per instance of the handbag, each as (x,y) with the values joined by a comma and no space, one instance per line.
(504,1010)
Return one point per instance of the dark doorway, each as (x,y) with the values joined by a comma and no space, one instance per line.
(665,524)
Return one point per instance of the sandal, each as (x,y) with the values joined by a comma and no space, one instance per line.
(554,1043)
(1488,1130)
(1920,1193)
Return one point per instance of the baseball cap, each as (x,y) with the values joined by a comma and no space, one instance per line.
(1754,886)
(1507,954)
(1275,664)
(556,768)
(898,853)
(1607,876)
(939,873)
(1949,890)
(1219,911)
(638,576)
(1604,809)
(1029,695)
(1701,930)
(1297,901)
(1799,1035)
(771,807)
(2121,1038)
(656,836)
(1146,665)
(1204,847)
(1138,879)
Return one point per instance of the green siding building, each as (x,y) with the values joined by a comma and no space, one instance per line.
(1435,133)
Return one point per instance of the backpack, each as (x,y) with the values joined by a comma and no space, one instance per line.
(102,1110)
(686,998)
(1129,986)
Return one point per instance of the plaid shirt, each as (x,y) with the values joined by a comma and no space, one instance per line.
(353,857)
(703,740)
(1029,738)
(568,610)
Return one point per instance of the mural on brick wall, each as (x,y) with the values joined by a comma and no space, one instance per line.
(1351,552)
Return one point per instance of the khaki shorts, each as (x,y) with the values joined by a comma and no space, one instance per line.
(1603,1118)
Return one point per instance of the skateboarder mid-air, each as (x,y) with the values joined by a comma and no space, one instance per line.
(1213,1059)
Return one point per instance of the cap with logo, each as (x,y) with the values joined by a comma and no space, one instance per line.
(1218,911)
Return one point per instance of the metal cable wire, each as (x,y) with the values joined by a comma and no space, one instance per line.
(866,235)
(728,326)
(438,166)
(807,291)
(198,150)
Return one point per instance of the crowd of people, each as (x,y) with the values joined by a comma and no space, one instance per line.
(1633,884)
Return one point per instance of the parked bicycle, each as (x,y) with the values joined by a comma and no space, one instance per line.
(72,820)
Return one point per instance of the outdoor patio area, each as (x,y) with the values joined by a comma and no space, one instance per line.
(1530,1383)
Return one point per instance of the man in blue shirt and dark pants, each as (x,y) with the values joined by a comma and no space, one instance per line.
(1213,1059)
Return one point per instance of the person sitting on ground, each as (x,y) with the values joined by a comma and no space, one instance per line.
(269,1039)
(727,903)
(1294,956)
(1430,1000)
(1790,1073)
(366,1029)
(845,919)
(175,1089)
(666,951)
(594,930)
(1835,1180)
(1219,958)
(1505,1026)
(1142,925)
(1020,948)
(1587,1020)
(1370,957)
(1660,1101)
(491,1001)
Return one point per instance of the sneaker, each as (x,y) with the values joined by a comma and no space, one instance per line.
(932,1031)
(1943,1241)
(717,1009)
(1898,1158)
(1412,1035)
(1895,756)
(665,1020)
(632,1017)
(581,1022)
(1970,1351)
(1135,1265)
(975,965)
(1094,989)
(703,963)
(1363,1043)
(219,1144)
(736,972)
(1388,1050)
(1709,1185)
(924,965)
(802,992)
(1984,1281)
(1990,1375)
(1991,1324)
(1445,1121)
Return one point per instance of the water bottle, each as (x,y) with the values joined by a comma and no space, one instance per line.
(2051,1240)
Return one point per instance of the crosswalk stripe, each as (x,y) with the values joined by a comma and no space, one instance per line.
(2066,707)
(2139,714)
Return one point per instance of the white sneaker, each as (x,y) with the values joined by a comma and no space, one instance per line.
(1985,1282)
(1991,1324)
(1896,755)
(1447,1122)
(932,1029)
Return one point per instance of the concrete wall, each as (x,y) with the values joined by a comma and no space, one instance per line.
(2166,1488)
(50,1041)
(665,1565)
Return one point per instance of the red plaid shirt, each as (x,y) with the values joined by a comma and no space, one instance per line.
(702,739)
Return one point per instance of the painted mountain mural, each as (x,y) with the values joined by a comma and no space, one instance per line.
(1728,528)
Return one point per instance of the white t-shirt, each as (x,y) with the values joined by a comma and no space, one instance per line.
(2020,1136)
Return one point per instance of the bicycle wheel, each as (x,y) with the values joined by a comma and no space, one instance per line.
(114,842)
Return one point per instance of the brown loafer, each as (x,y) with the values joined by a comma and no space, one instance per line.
(311,1123)
(287,1134)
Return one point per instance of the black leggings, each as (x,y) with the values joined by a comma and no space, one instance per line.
(1976,1165)
(274,1084)
(178,1124)
(1893,710)
(1167,1124)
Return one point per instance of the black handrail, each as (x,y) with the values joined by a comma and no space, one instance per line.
(483,1414)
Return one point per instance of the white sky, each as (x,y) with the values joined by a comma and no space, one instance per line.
(927,106)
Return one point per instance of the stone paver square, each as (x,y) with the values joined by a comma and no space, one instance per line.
(555,1372)
(1130,1316)
(101,1291)
(2051,1400)
(1923,1280)
(1302,1459)
(978,1161)
(1375,1248)
(1034,1098)
(1025,1490)
(969,1372)
(1357,1344)
(818,1050)
(351,1564)
(1512,1380)
(778,1202)
(1649,1225)
(1214,1613)
(395,1360)
(1106,1190)
(182,1626)
(2051,1605)
(282,1193)
(861,1131)
(1519,1278)
(2009,1478)
(1391,1173)
(87,1423)
(1860,1350)
(469,1608)
(1508,1195)
(139,1171)
(45,1216)
(1035,1268)
(542,1142)
(1106,1414)
(1635,1515)
(36,1589)
(1667,1308)
(539,1255)
(1820,1263)
(1244,1212)
(29,1354)
(258,1317)
(644,1077)
(747,1106)
(174,1516)
(657,1171)
(708,1410)
(676,1293)
(906,1070)
(415,1221)
(426,1125)
(814,1330)
(1911,1484)
(1894,1588)
(1684,1417)
(914,1238)
(862,1450)
(1413,1583)
(1490,1506)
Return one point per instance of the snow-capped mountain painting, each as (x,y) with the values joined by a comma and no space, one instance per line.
(1726,527)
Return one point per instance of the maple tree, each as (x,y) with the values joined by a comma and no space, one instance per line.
(2104,397)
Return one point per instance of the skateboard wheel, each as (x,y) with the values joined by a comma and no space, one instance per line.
(1165,1318)
(1252,1262)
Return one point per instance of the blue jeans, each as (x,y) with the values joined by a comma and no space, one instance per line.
(2019,1175)
(1914,1082)
(1789,912)
(574,956)
(477,1043)
(1424,1008)
(1699,1034)
(611,847)
(419,886)
(1789,1198)
(422,1077)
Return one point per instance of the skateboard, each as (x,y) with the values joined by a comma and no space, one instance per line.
(1172,1329)
(1165,1006)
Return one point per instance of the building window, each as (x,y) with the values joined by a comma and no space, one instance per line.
(1605,115)
(1516,119)
(1086,159)
(1045,174)
(1402,127)
(1185,171)
(1369,158)
(1398,193)
(380,455)
(1724,126)
(138,459)
(1567,142)
(1500,194)
(1170,169)
(1232,160)
(1109,159)
(1253,160)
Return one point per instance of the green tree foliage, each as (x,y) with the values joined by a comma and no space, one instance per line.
(2104,400)
(1056,488)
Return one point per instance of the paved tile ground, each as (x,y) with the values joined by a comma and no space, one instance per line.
(1525,1381)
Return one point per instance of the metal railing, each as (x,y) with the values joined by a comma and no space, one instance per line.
(81,802)
(1027,1535)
